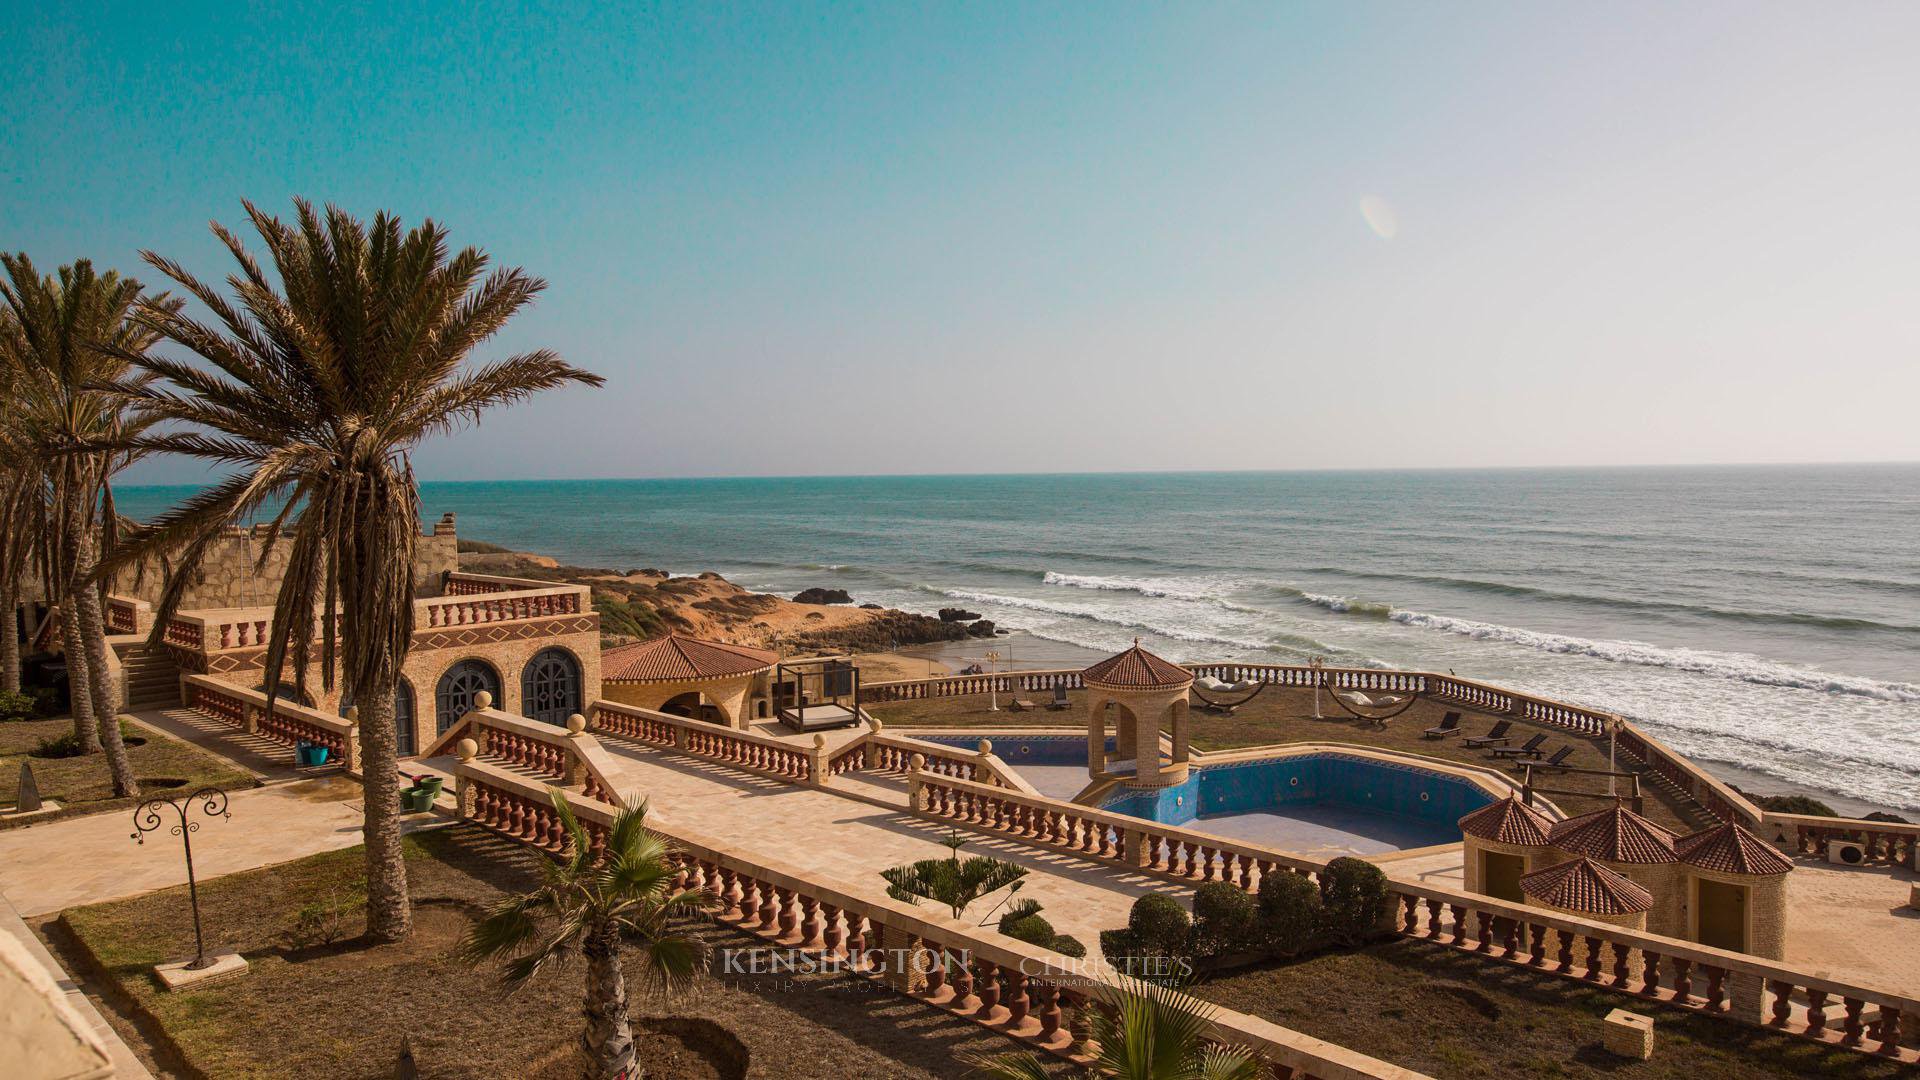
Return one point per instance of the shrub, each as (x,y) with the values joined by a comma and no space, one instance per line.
(1156,941)
(1031,929)
(1017,910)
(1795,804)
(1353,899)
(63,746)
(1067,945)
(1289,913)
(1223,920)
(323,922)
(15,705)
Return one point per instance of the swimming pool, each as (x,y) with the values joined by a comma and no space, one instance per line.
(1326,800)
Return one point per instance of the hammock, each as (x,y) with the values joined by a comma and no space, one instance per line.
(1347,699)
(1218,687)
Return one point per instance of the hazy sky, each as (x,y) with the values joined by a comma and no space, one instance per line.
(998,237)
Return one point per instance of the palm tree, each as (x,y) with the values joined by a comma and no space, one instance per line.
(322,386)
(599,909)
(952,881)
(1147,1032)
(66,337)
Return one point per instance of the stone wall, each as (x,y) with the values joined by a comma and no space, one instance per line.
(229,577)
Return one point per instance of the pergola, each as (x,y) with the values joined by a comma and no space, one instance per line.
(1150,694)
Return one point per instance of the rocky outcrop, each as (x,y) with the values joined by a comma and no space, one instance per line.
(822,596)
(980,628)
(954,614)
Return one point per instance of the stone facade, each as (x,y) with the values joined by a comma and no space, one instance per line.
(1766,931)
(729,695)
(1474,849)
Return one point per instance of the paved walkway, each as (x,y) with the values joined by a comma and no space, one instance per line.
(851,840)
(85,860)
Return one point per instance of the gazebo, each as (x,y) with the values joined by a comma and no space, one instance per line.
(685,675)
(1585,888)
(1148,693)
(1633,847)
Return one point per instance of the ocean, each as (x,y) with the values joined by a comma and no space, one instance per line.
(1767,617)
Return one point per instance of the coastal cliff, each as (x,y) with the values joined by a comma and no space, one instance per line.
(643,603)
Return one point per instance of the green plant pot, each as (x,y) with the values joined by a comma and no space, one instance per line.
(431,785)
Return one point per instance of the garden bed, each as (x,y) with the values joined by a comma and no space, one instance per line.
(341,1009)
(82,784)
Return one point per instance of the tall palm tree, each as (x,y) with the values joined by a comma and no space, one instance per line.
(1144,1032)
(322,385)
(19,485)
(598,910)
(67,336)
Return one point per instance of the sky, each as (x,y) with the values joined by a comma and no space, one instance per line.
(892,238)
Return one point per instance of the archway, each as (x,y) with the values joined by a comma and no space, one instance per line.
(550,687)
(687,705)
(453,697)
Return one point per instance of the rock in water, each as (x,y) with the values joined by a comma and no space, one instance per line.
(954,614)
(823,596)
(29,798)
(983,628)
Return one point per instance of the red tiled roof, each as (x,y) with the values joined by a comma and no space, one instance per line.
(1615,834)
(1731,849)
(1586,887)
(1508,821)
(673,658)
(1137,668)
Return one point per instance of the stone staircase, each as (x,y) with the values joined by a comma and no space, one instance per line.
(153,681)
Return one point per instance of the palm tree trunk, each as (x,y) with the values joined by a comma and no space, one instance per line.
(106,703)
(10,636)
(608,1040)
(389,914)
(86,727)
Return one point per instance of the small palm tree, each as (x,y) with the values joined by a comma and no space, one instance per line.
(952,881)
(598,909)
(1146,1032)
(321,384)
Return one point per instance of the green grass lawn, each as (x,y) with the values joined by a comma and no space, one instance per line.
(1285,715)
(341,1010)
(82,785)
(1451,1014)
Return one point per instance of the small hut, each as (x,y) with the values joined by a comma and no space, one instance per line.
(1503,842)
(1585,888)
(705,680)
(1147,695)
(1630,845)
(1735,891)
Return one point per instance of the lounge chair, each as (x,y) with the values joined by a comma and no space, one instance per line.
(1449,725)
(1558,760)
(1021,705)
(1497,735)
(1059,700)
(1530,748)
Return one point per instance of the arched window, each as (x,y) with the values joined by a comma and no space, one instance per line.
(550,687)
(453,698)
(402,716)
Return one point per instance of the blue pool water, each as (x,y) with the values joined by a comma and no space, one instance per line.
(1422,807)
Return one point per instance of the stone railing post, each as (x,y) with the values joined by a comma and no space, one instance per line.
(463,792)
(679,738)
(574,770)
(1138,852)
(817,775)
(916,783)
(351,749)
(1746,997)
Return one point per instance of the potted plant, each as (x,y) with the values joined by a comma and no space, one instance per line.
(422,791)
(310,754)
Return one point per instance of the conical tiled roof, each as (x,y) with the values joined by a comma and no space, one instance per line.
(1508,821)
(1586,888)
(1731,849)
(1617,835)
(1137,669)
(674,658)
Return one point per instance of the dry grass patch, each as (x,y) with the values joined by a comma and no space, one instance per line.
(82,785)
(1285,715)
(1450,1014)
(341,1010)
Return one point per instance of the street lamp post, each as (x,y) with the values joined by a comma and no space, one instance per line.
(1319,666)
(993,684)
(148,818)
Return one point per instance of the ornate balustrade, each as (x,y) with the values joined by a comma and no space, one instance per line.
(1004,682)
(125,615)
(1882,842)
(287,722)
(185,631)
(1654,967)
(1027,993)
(475,609)
(744,750)
(462,583)
(562,756)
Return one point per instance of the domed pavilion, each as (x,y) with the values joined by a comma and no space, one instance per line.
(1147,695)
(705,680)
